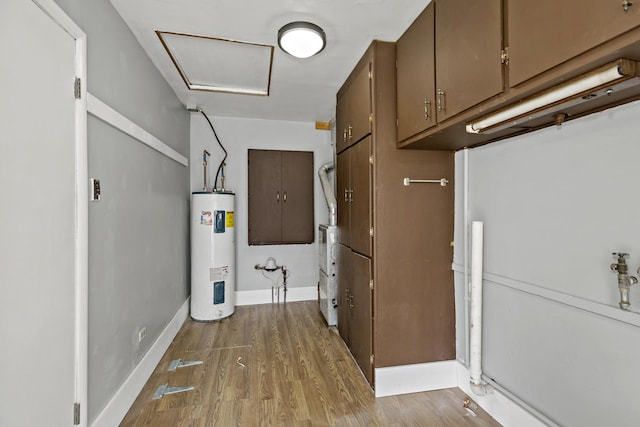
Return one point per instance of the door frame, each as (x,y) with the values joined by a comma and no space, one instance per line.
(81,235)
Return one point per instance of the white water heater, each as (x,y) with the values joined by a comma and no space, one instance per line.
(213,255)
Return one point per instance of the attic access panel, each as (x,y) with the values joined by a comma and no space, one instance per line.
(220,65)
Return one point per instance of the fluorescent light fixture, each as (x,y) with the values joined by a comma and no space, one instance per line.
(602,81)
(301,39)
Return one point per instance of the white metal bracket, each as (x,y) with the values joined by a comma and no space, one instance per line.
(165,389)
(175,364)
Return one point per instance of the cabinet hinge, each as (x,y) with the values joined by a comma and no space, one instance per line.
(371,232)
(371,284)
(371,159)
(76,414)
(504,56)
(77,88)
(371,358)
(371,118)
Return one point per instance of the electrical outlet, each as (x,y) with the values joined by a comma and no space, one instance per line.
(142,333)
(95,189)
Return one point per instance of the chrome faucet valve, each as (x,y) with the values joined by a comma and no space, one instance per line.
(620,266)
(624,280)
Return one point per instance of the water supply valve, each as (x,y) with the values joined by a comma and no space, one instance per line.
(271,266)
(624,280)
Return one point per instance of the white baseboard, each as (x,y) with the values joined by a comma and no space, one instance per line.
(405,379)
(120,404)
(500,407)
(263,296)
(415,378)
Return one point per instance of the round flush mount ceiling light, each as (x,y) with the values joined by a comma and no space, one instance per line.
(301,39)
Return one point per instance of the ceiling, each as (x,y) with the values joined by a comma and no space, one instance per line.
(299,89)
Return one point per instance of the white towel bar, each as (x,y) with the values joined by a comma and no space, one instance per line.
(443,182)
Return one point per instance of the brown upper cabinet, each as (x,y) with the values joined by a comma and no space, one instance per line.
(416,80)
(546,33)
(353,110)
(492,54)
(468,54)
(448,61)
(280,197)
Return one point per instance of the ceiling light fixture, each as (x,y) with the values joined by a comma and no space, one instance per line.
(301,39)
(606,80)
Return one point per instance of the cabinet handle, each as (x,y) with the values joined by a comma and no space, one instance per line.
(351,301)
(278,196)
(440,100)
(344,135)
(350,132)
(350,196)
(626,4)
(427,109)
(284,197)
(346,195)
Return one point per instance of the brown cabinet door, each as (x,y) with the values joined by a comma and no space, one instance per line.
(415,78)
(545,33)
(468,48)
(343,197)
(353,109)
(280,197)
(359,105)
(297,197)
(361,218)
(265,207)
(360,321)
(415,308)
(342,141)
(344,291)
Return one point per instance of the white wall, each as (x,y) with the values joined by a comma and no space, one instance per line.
(556,203)
(238,135)
(39,230)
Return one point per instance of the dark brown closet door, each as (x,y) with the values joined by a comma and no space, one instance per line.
(297,197)
(280,197)
(265,207)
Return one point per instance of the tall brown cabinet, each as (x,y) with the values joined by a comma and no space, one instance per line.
(395,284)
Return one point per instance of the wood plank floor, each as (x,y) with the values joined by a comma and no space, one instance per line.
(279,365)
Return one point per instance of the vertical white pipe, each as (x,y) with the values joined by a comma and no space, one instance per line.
(475,344)
(466,231)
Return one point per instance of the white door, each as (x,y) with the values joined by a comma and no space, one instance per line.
(40,223)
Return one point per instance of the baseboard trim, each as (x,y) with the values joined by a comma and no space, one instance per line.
(420,377)
(120,404)
(503,409)
(263,296)
(416,378)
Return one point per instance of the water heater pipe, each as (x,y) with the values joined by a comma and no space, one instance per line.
(205,153)
(475,344)
(328,191)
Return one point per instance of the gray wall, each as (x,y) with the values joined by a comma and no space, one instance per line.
(138,232)
(556,203)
